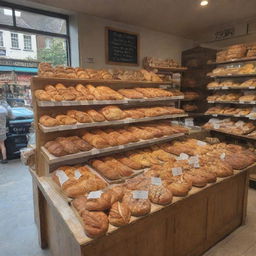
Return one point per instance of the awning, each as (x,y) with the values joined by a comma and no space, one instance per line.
(18,69)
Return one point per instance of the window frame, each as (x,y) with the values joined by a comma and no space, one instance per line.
(16,28)
(25,42)
(16,38)
(1,39)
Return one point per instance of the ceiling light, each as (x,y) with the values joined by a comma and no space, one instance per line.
(204,3)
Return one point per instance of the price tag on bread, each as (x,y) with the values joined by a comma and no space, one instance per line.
(95,194)
(77,174)
(193,159)
(189,122)
(62,176)
(239,123)
(222,156)
(183,156)
(176,171)
(201,143)
(156,181)
(140,194)
(196,165)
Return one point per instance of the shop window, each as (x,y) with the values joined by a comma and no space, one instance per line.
(48,30)
(1,39)
(15,40)
(27,43)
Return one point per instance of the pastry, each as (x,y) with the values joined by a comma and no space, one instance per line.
(65,120)
(55,148)
(68,145)
(95,140)
(131,93)
(159,194)
(42,95)
(80,116)
(95,116)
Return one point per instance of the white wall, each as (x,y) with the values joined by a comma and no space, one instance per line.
(19,53)
(92,41)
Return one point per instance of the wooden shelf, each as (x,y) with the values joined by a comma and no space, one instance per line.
(107,123)
(229,115)
(232,88)
(74,81)
(104,102)
(170,69)
(51,159)
(245,59)
(235,135)
(232,102)
(233,75)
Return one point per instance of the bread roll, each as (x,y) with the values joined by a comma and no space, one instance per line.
(65,120)
(55,148)
(68,146)
(95,116)
(131,93)
(42,95)
(112,113)
(95,140)
(80,116)
(80,143)
(48,121)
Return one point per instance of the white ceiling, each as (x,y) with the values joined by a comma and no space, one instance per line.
(185,18)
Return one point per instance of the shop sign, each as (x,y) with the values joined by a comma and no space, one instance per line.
(18,63)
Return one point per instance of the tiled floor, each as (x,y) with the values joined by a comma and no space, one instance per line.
(18,235)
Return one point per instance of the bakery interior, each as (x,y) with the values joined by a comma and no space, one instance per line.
(132,121)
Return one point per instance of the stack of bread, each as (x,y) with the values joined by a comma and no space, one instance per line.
(158,62)
(108,137)
(173,168)
(60,92)
(233,127)
(235,52)
(220,110)
(190,107)
(108,113)
(230,83)
(191,95)
(46,70)
(235,70)
(220,96)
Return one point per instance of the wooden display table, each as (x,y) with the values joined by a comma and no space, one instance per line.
(187,227)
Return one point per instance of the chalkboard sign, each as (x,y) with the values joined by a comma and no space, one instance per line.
(121,47)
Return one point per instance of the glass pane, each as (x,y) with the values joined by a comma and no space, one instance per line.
(6,16)
(52,49)
(41,22)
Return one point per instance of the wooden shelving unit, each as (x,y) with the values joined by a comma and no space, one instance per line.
(246,59)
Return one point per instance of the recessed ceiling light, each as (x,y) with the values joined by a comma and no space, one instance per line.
(204,3)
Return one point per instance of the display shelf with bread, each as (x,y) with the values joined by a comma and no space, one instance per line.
(93,152)
(161,194)
(235,54)
(67,102)
(79,125)
(231,102)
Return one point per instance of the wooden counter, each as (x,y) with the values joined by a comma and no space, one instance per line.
(187,227)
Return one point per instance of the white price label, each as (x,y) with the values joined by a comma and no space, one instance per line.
(196,165)
(140,194)
(201,143)
(193,159)
(62,176)
(77,174)
(156,181)
(176,171)
(213,120)
(215,115)
(222,156)
(189,121)
(225,87)
(94,194)
(183,156)
(251,87)
(175,122)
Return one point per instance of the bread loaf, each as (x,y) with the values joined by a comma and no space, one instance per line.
(119,214)
(48,121)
